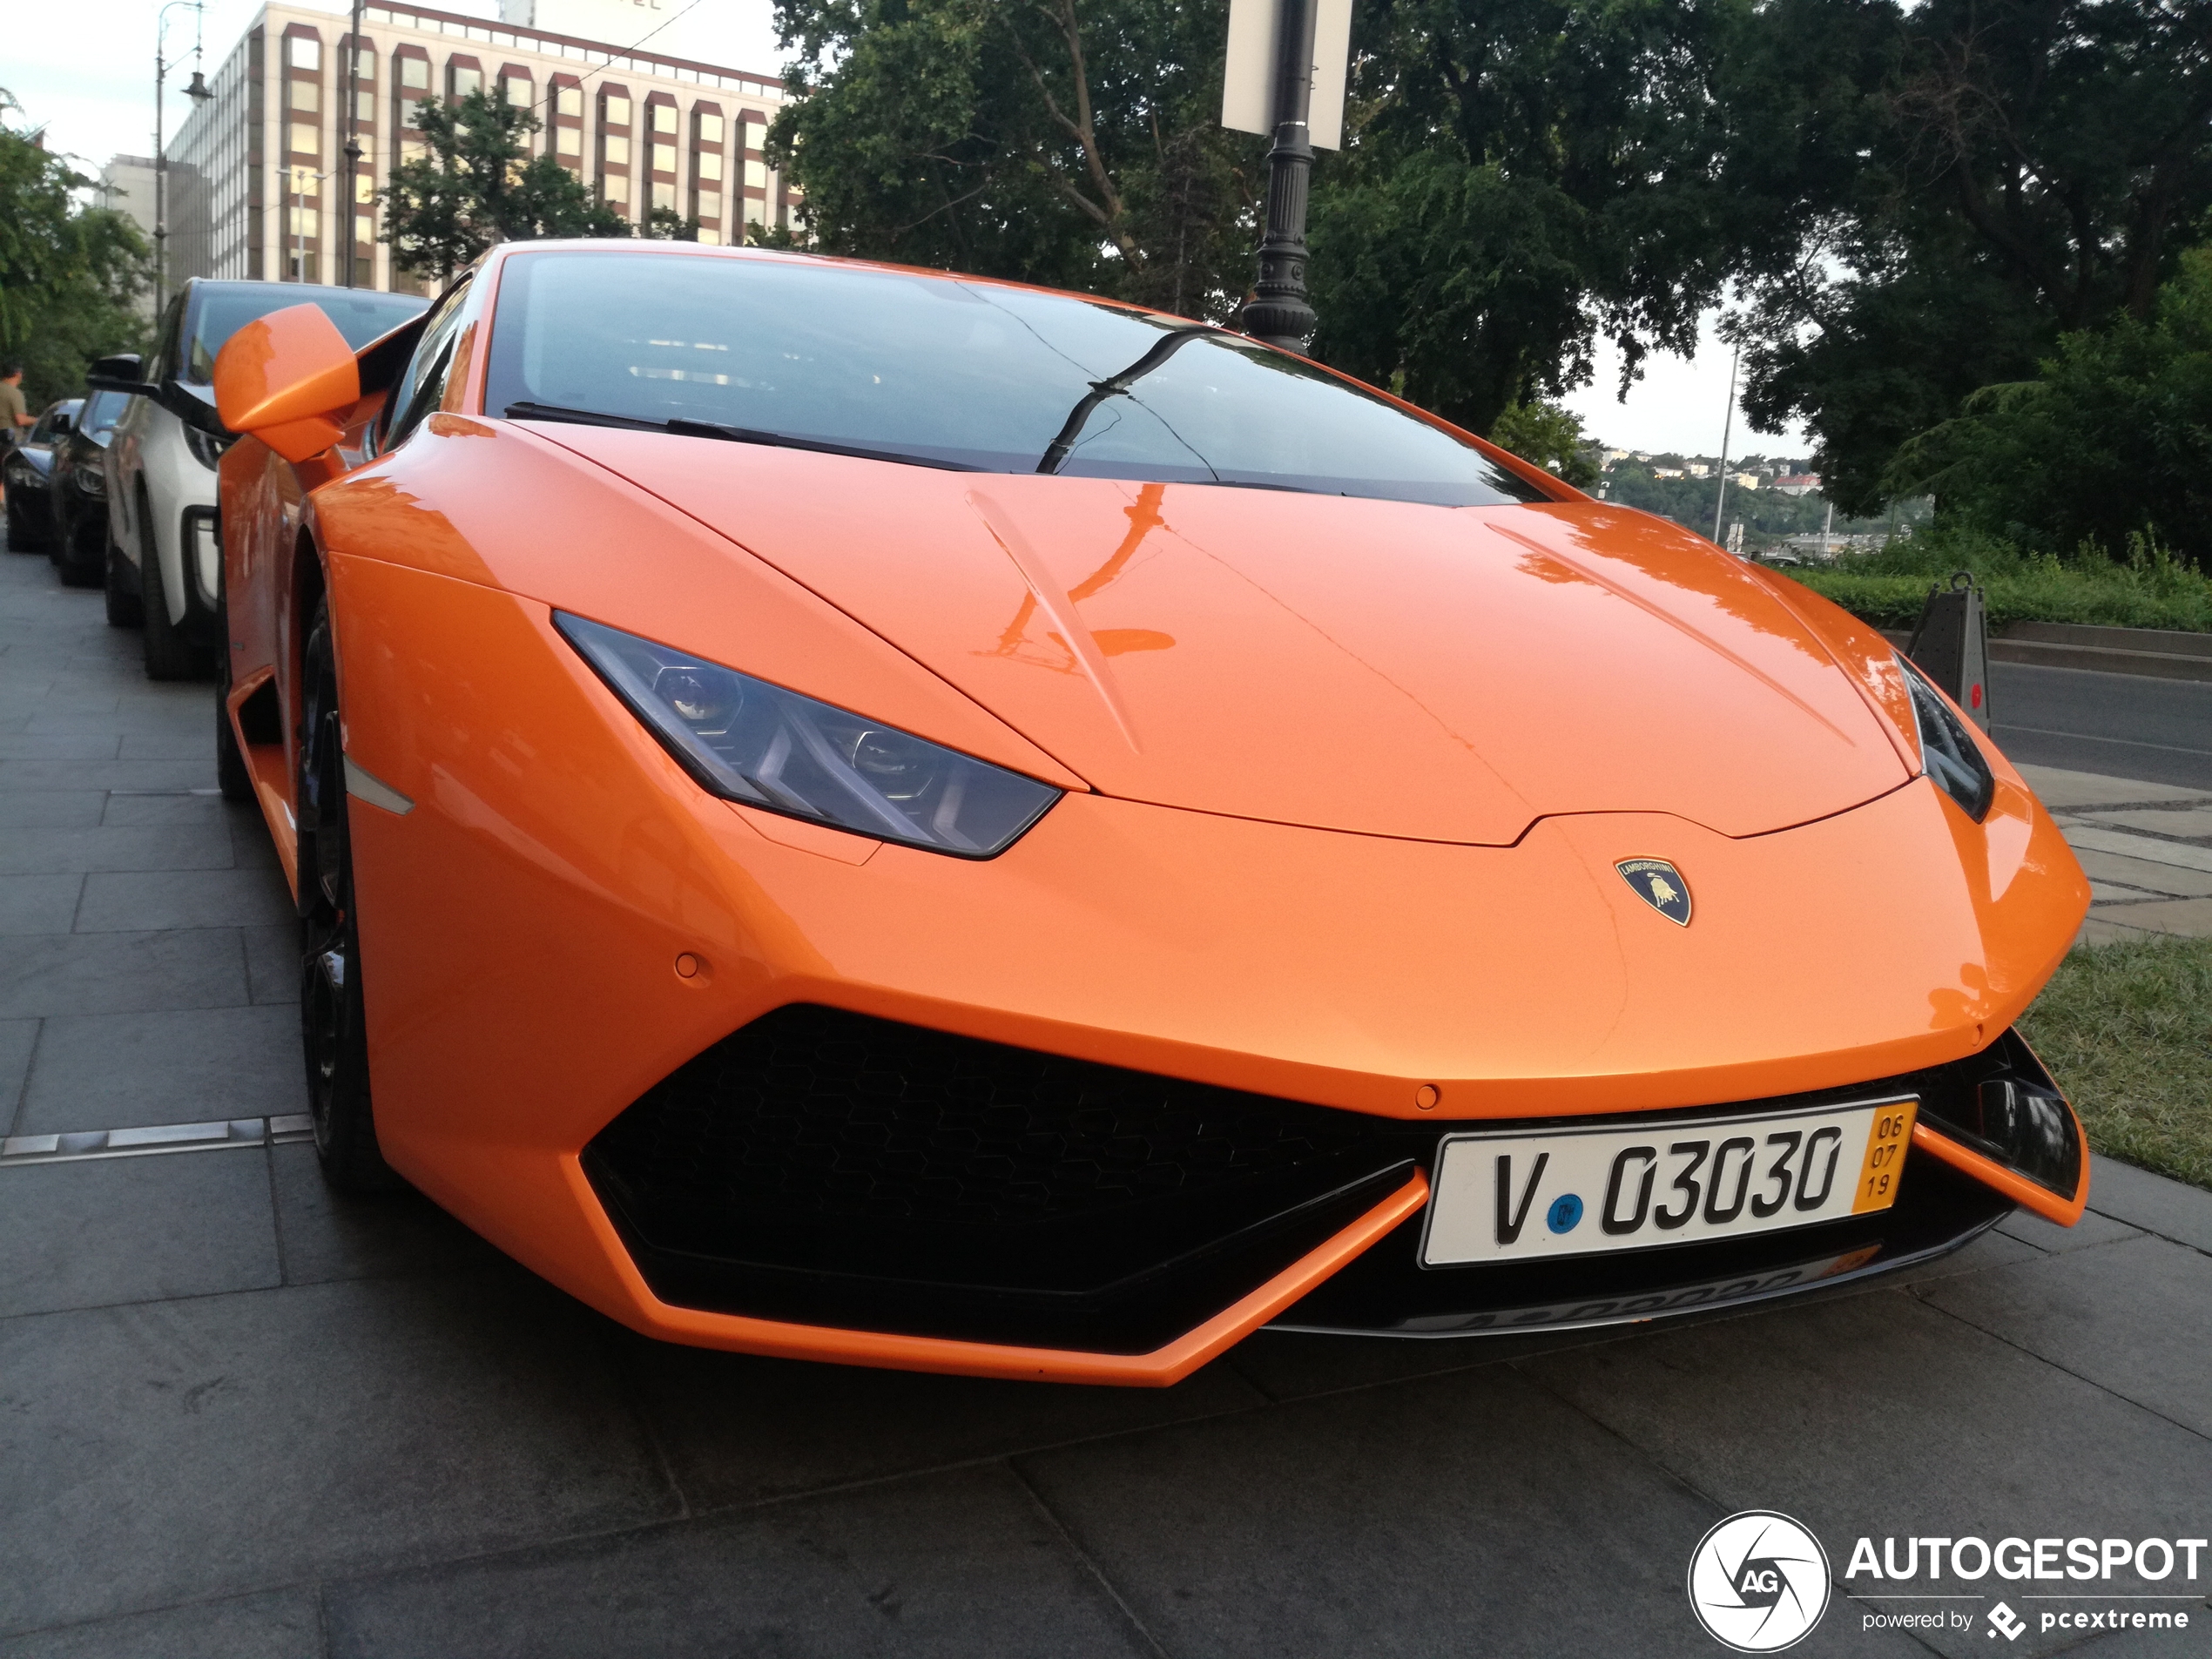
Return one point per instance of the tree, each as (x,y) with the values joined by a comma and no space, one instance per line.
(1025,139)
(1550,436)
(2112,437)
(1522,175)
(71,275)
(477,185)
(1999,173)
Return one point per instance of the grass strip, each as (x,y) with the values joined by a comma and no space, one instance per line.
(2126,1030)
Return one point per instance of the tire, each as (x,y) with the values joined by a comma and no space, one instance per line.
(169,656)
(124,608)
(77,556)
(21,537)
(333,1026)
(230,774)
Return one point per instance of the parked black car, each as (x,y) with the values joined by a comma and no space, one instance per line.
(29,464)
(78,547)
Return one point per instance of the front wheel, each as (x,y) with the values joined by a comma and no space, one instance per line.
(332,1023)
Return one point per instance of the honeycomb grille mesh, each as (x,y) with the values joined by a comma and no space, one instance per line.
(814,1112)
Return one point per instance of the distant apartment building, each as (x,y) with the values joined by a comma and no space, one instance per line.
(1798,483)
(257,184)
(127,184)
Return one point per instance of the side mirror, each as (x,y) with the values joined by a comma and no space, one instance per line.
(120,373)
(63,425)
(287,378)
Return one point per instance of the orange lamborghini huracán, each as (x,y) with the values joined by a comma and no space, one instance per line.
(874,815)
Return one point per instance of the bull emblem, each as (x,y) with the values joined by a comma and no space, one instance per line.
(1659,885)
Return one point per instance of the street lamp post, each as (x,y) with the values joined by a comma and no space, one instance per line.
(353,141)
(301,177)
(1278,312)
(199,93)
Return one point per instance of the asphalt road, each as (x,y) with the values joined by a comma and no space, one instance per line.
(2123,725)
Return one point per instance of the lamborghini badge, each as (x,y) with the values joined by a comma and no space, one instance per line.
(1659,885)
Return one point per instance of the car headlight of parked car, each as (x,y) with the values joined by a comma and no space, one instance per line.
(746,740)
(88,480)
(1949,755)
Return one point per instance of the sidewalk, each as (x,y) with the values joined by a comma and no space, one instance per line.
(2146,849)
(242,1417)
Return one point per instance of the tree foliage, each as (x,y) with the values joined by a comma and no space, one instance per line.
(1995,174)
(70,275)
(1029,139)
(2111,439)
(477,185)
(1550,436)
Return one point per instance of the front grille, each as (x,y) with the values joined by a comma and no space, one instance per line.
(819,1153)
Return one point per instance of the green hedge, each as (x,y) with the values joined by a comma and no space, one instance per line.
(2147,587)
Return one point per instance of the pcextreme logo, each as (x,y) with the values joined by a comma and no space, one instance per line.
(1758,1582)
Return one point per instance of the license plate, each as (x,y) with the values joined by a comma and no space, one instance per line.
(1516,1196)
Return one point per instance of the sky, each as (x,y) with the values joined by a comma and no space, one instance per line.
(99,102)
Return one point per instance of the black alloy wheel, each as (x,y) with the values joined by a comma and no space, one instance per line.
(333,1026)
(78,551)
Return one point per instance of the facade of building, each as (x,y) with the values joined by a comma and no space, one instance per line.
(127,184)
(257,183)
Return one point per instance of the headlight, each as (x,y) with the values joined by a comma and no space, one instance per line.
(88,480)
(746,740)
(1948,754)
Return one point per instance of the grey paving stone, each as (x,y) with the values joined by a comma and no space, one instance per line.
(2131,1317)
(172,1450)
(36,851)
(178,806)
(736,1427)
(110,774)
(1297,1365)
(142,901)
(2086,1234)
(2155,1644)
(171,741)
(1866,1417)
(329,1234)
(1466,1514)
(2170,1209)
(281,1624)
(25,745)
(273,961)
(171,1066)
(135,1230)
(119,973)
(252,847)
(959,1565)
(17,1039)
(50,808)
(38,904)
(62,716)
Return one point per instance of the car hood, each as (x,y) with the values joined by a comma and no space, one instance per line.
(1389,668)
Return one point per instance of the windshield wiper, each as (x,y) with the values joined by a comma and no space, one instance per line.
(684,427)
(1056,454)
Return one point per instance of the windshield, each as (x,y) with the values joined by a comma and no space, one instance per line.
(953,373)
(102,411)
(361,316)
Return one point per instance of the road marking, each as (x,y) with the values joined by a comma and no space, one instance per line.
(79,1146)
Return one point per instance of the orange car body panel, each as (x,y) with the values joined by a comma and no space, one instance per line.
(1437,919)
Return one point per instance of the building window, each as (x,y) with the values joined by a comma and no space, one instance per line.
(616,189)
(303,52)
(412,149)
(414,74)
(708,164)
(569,141)
(365,63)
(756,175)
(664,118)
(710,236)
(515,91)
(302,221)
(306,140)
(466,81)
(711,129)
(665,197)
(616,150)
(614,111)
(306,96)
(365,106)
(569,101)
(664,157)
(710,204)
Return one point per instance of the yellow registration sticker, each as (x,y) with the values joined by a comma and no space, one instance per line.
(1887,1139)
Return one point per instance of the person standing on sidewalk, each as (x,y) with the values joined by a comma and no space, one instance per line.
(14,416)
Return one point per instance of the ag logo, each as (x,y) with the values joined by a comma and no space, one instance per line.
(1758,1582)
(1659,885)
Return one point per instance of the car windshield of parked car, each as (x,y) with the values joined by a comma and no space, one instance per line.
(953,373)
(361,316)
(102,411)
